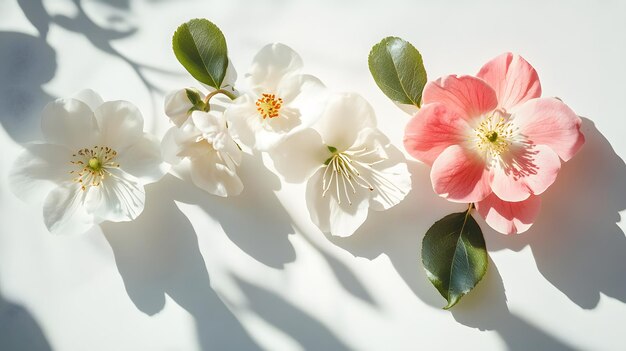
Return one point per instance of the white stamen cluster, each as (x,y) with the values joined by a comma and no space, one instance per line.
(342,168)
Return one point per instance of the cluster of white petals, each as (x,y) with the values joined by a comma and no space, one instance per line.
(97,157)
(93,165)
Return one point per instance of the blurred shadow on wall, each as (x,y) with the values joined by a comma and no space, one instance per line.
(576,241)
(26,63)
(304,329)
(158,254)
(19,330)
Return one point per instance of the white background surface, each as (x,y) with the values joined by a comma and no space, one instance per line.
(196,272)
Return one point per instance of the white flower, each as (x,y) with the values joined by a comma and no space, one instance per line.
(203,150)
(350,165)
(280,100)
(93,166)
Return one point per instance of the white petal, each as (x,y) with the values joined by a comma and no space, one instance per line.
(329,214)
(345,115)
(39,169)
(300,155)
(118,198)
(299,89)
(244,120)
(143,160)
(169,147)
(211,124)
(90,98)
(69,122)
(391,185)
(215,175)
(384,166)
(270,65)
(231,149)
(177,105)
(120,122)
(64,213)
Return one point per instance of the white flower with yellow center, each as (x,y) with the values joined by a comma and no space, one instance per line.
(280,101)
(349,165)
(203,150)
(93,166)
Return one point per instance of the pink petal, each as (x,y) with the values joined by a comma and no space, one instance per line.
(509,217)
(460,175)
(524,172)
(513,78)
(468,96)
(432,130)
(550,122)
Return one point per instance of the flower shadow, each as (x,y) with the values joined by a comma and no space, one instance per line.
(158,254)
(304,329)
(254,220)
(576,241)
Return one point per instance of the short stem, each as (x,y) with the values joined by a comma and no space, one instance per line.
(215,92)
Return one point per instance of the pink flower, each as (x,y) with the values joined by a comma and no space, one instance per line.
(493,141)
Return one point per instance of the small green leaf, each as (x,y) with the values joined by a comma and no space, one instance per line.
(200,47)
(398,70)
(196,100)
(454,255)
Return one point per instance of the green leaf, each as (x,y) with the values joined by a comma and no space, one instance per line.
(398,70)
(201,48)
(454,255)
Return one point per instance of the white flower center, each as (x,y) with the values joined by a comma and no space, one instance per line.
(348,171)
(93,165)
(495,134)
(268,105)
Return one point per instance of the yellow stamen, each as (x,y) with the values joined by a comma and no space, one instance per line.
(268,105)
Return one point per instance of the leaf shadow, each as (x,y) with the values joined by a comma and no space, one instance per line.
(576,242)
(158,254)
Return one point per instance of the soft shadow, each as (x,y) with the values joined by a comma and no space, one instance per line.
(19,330)
(254,220)
(398,232)
(158,254)
(485,308)
(28,62)
(308,332)
(576,241)
(345,276)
